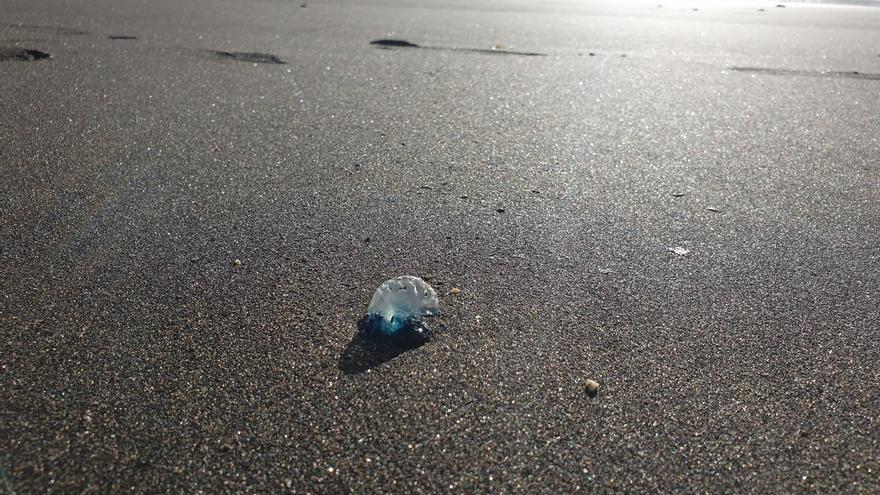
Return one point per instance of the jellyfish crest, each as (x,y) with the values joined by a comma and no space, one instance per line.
(401,300)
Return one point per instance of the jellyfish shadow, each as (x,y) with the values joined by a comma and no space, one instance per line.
(365,353)
(369,348)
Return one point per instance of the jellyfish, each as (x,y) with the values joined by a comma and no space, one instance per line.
(398,309)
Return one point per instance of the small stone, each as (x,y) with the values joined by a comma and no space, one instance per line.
(713,209)
(500,210)
(237,262)
(455,291)
(592,387)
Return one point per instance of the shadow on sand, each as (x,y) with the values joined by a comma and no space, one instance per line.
(365,353)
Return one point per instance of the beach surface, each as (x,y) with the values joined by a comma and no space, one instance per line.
(679,201)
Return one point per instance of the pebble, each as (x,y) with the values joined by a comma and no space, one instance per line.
(592,387)
(455,291)
(237,262)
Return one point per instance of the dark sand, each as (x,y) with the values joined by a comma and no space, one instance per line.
(136,355)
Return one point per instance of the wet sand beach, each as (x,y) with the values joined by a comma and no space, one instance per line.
(677,201)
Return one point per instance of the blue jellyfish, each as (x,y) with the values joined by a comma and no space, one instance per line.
(398,310)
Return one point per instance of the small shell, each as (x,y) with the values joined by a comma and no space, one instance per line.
(592,387)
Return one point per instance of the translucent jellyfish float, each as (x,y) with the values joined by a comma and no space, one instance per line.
(398,310)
